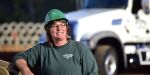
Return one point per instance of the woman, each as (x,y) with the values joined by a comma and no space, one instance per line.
(59,55)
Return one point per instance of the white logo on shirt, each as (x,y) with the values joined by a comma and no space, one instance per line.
(67,56)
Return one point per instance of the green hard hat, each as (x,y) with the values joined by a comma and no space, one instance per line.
(54,14)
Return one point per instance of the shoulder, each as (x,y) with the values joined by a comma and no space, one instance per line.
(44,44)
(75,43)
(39,46)
(80,45)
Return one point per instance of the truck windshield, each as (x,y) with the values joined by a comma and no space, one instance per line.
(105,3)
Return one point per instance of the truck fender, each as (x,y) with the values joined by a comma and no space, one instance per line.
(106,34)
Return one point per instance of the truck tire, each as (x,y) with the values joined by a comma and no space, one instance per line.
(106,58)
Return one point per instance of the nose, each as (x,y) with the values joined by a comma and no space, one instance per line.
(58,27)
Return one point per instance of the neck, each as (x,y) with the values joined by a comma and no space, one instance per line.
(60,42)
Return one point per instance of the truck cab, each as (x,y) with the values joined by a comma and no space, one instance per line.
(114,32)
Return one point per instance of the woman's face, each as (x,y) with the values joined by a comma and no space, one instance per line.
(58,30)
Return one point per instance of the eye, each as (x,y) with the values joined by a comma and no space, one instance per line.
(61,25)
(53,26)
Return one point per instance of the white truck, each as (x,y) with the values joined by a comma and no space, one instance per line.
(114,31)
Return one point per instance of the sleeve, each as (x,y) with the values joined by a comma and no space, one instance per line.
(31,56)
(89,65)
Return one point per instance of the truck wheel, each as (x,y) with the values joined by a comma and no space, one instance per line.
(106,58)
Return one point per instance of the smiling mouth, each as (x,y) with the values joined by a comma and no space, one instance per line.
(60,33)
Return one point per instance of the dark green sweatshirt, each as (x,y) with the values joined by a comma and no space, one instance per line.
(72,58)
